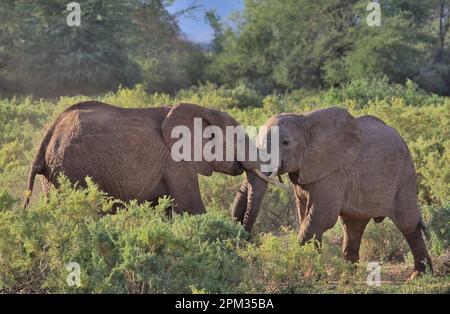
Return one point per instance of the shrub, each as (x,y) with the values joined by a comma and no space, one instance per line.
(138,250)
(364,91)
(383,242)
(439,225)
(281,265)
(7,201)
(210,95)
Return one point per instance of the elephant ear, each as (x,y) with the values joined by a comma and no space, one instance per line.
(333,140)
(183,115)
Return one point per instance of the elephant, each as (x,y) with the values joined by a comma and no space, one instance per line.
(127,152)
(356,168)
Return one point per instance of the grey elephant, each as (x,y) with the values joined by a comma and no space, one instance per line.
(127,152)
(356,168)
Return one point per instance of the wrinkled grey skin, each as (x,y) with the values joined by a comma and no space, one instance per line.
(127,152)
(358,169)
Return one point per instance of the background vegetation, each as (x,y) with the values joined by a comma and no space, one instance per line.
(279,56)
(272,45)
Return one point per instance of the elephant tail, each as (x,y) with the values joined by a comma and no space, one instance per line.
(424,228)
(38,166)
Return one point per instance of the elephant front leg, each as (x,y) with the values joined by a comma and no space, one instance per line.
(319,207)
(353,232)
(317,221)
(183,187)
(317,216)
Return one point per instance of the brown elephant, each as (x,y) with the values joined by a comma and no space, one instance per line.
(127,152)
(356,168)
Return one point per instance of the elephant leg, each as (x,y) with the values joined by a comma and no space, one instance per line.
(422,260)
(183,187)
(320,208)
(316,224)
(320,217)
(353,232)
(407,218)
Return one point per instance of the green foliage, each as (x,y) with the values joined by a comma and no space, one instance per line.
(424,285)
(281,265)
(7,201)
(383,242)
(363,91)
(49,55)
(137,250)
(118,43)
(440,228)
(221,97)
(291,44)
(395,50)
(272,46)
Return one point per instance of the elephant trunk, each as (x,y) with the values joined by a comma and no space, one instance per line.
(240,203)
(248,201)
(239,208)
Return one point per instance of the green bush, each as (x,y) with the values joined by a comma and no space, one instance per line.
(383,242)
(281,265)
(7,201)
(210,95)
(439,225)
(364,91)
(138,250)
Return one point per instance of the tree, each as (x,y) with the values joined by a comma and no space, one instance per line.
(290,44)
(285,44)
(52,58)
(119,42)
(167,61)
(397,49)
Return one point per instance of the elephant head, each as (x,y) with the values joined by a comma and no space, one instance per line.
(312,145)
(214,131)
(317,143)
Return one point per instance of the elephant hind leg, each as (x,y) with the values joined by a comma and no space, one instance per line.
(422,260)
(353,232)
(408,220)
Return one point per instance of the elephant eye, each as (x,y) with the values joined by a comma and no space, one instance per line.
(286,142)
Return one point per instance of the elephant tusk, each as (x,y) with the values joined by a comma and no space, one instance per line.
(235,186)
(269,180)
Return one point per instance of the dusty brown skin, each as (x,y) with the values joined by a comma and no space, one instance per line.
(127,152)
(358,169)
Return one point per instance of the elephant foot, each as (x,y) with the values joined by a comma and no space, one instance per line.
(352,257)
(414,275)
(418,273)
(422,260)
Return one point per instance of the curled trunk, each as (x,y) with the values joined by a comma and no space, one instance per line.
(240,203)
(248,200)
